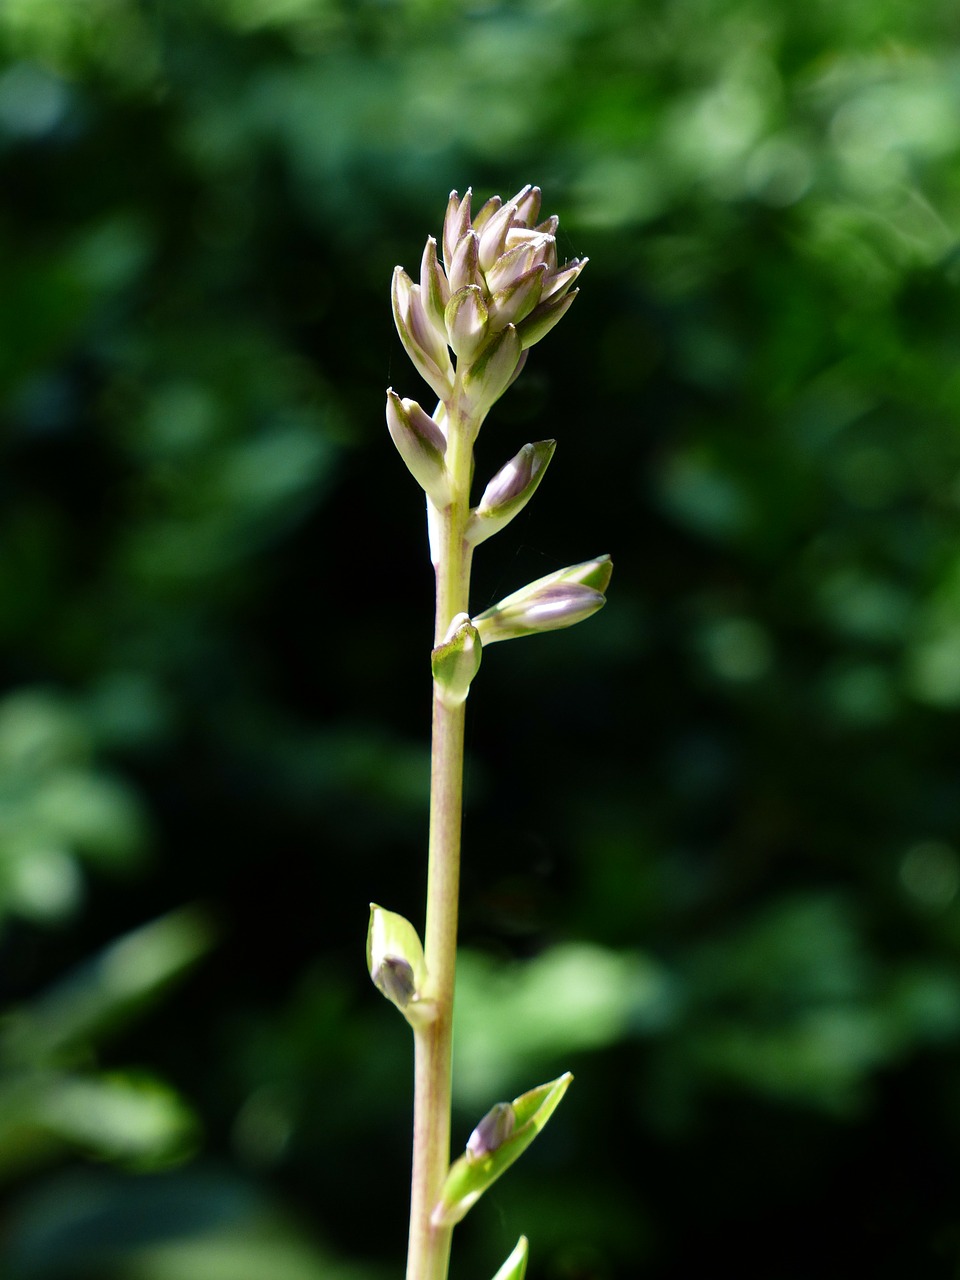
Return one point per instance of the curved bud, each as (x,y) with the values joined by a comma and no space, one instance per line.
(531,250)
(492,1132)
(494,234)
(456,224)
(515,1267)
(509,491)
(486,212)
(464,269)
(542,318)
(396,964)
(560,281)
(485,380)
(550,603)
(434,290)
(528,205)
(420,341)
(422,446)
(456,661)
(518,299)
(467,321)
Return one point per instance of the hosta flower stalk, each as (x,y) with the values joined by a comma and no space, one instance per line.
(489,290)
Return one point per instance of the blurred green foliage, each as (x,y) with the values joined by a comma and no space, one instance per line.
(713,838)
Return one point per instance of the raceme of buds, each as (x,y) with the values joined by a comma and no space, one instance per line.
(498,272)
(396,964)
(421,444)
(558,600)
(510,490)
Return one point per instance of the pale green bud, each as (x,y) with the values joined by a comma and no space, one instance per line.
(466,318)
(489,375)
(456,224)
(420,339)
(434,290)
(396,964)
(531,251)
(421,444)
(494,234)
(465,269)
(456,661)
(558,600)
(543,318)
(492,1131)
(515,302)
(510,490)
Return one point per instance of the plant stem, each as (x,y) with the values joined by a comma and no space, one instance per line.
(429,1246)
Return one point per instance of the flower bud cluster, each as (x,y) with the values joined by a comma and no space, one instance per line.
(498,290)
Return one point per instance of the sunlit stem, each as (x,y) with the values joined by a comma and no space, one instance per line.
(429,1247)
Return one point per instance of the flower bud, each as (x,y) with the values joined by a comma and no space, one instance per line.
(492,1131)
(515,302)
(396,964)
(555,601)
(434,290)
(464,269)
(485,380)
(456,224)
(456,661)
(543,318)
(510,490)
(420,340)
(466,318)
(421,444)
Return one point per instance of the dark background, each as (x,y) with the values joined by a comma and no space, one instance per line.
(711,844)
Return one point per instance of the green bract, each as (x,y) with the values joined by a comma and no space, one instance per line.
(471,1175)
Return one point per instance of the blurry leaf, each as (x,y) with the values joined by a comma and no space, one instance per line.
(569,999)
(77,1011)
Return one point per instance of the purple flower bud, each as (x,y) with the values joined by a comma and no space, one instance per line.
(492,1132)
(510,490)
(393,976)
(420,340)
(421,444)
(456,224)
(558,600)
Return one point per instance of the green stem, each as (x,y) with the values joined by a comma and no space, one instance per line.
(429,1246)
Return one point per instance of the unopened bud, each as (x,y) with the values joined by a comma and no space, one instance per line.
(396,964)
(420,339)
(466,319)
(394,977)
(543,318)
(558,600)
(434,290)
(456,661)
(510,490)
(421,444)
(492,1131)
(486,379)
